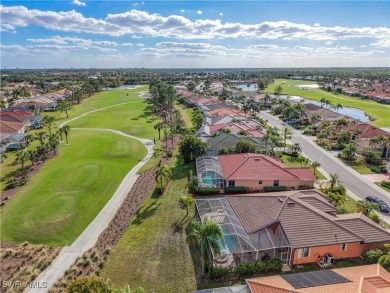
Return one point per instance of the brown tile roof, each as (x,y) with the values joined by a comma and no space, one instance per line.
(368,131)
(364,279)
(10,127)
(260,167)
(305,225)
(223,111)
(363,226)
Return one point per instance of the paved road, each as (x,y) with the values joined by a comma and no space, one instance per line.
(90,235)
(357,185)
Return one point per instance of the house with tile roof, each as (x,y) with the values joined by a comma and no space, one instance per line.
(299,227)
(253,171)
(360,279)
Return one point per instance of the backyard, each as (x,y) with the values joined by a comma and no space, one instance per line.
(379,112)
(155,243)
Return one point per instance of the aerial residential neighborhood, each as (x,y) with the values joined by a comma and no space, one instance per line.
(165,146)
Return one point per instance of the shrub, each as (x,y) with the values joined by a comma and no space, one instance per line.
(374,217)
(275,188)
(375,169)
(342,210)
(236,189)
(372,256)
(385,184)
(303,187)
(169,154)
(217,272)
(245,268)
(205,190)
(383,168)
(373,157)
(337,147)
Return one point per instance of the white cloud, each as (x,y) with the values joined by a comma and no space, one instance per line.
(220,14)
(138,3)
(140,45)
(303,48)
(263,46)
(79,3)
(182,11)
(127,44)
(58,40)
(199,12)
(143,23)
(329,42)
(384,43)
(317,24)
(136,37)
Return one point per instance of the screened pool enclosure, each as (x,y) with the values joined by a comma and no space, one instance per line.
(236,244)
(209,172)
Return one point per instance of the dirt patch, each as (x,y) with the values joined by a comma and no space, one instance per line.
(144,95)
(92,262)
(22,263)
(8,193)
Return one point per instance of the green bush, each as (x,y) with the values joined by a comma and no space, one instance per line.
(385,184)
(373,157)
(236,189)
(383,169)
(372,256)
(266,266)
(275,188)
(218,272)
(375,169)
(337,147)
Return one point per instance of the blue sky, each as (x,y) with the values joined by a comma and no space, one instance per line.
(177,34)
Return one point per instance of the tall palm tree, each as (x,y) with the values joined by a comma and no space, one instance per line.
(208,234)
(65,130)
(246,108)
(22,157)
(315,165)
(366,207)
(340,123)
(186,201)
(163,174)
(334,180)
(322,102)
(295,149)
(286,132)
(159,126)
(49,123)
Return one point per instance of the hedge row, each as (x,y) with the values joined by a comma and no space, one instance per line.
(275,188)
(247,268)
(236,189)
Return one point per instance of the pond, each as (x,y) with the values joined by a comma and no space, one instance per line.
(251,88)
(351,112)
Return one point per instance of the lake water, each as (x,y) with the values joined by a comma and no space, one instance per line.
(351,112)
(252,87)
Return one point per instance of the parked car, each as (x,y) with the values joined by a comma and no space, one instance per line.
(382,205)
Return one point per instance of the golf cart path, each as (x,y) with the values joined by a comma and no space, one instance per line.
(89,236)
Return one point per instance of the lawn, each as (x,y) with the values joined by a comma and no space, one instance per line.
(360,166)
(153,252)
(69,191)
(186,113)
(293,162)
(383,187)
(379,112)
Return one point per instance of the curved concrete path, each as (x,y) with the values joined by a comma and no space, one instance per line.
(88,238)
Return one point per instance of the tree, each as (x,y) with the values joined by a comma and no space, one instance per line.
(197,118)
(32,156)
(191,147)
(246,107)
(322,102)
(366,207)
(243,132)
(243,146)
(384,260)
(334,180)
(340,123)
(315,165)
(295,149)
(3,104)
(303,161)
(163,174)
(22,157)
(278,90)
(225,130)
(186,201)
(286,133)
(208,234)
(344,137)
(159,126)
(65,106)
(338,107)
(337,199)
(349,151)
(49,123)
(65,130)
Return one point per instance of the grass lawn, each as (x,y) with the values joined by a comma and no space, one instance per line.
(186,113)
(385,188)
(379,112)
(70,190)
(360,166)
(153,252)
(293,162)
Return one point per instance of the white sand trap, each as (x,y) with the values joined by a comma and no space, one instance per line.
(309,86)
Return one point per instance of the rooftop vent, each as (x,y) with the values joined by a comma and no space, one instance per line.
(291,204)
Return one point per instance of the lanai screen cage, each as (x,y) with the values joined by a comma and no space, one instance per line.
(270,241)
(209,172)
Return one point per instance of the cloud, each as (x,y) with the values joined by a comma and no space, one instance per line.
(303,48)
(79,3)
(140,45)
(199,12)
(329,42)
(384,43)
(220,14)
(127,44)
(182,11)
(138,3)
(58,40)
(176,26)
(264,46)
(317,24)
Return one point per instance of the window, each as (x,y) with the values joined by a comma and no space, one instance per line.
(276,182)
(344,247)
(232,183)
(304,252)
(260,181)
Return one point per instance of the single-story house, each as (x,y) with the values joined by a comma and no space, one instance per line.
(299,227)
(368,132)
(253,171)
(35,122)
(236,128)
(15,141)
(227,141)
(360,279)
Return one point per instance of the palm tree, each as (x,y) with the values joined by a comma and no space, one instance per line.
(208,234)
(49,121)
(163,174)
(2,104)
(337,199)
(32,155)
(374,141)
(286,132)
(246,108)
(338,107)
(295,149)
(366,207)
(159,126)
(349,151)
(186,201)
(322,102)
(315,165)
(340,123)
(334,180)
(22,157)
(65,130)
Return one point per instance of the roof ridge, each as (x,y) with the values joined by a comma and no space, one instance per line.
(246,159)
(365,219)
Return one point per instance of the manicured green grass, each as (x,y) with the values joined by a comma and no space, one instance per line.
(69,191)
(383,187)
(153,252)
(186,113)
(379,112)
(350,204)
(360,166)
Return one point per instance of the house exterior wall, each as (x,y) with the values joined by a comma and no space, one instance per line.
(289,183)
(355,249)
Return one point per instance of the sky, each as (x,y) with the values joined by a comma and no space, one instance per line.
(194,34)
